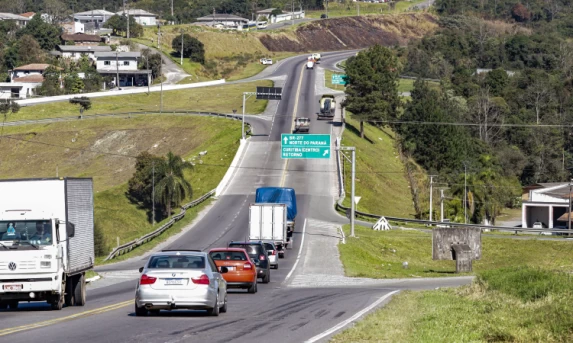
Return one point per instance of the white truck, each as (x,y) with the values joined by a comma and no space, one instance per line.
(46,240)
(268,222)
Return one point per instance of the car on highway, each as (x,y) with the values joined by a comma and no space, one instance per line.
(266,61)
(273,253)
(242,272)
(258,253)
(181,279)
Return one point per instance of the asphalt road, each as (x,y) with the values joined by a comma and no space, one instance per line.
(277,312)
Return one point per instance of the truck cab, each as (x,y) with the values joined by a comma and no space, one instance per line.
(301,125)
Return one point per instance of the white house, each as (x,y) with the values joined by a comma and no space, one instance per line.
(141,17)
(73,27)
(99,17)
(281,17)
(125,64)
(75,52)
(20,21)
(546,204)
(34,69)
(227,20)
(23,81)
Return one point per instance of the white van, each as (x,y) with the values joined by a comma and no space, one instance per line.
(310,64)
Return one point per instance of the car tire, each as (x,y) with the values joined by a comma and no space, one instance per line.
(267,277)
(154,312)
(140,311)
(215,310)
(253,288)
(224,308)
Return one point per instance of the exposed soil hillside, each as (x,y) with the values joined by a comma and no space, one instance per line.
(352,32)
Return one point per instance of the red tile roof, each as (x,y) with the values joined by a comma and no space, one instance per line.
(29,78)
(81,37)
(28,14)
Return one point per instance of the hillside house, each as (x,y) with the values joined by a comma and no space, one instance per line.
(285,16)
(141,17)
(546,203)
(227,20)
(72,27)
(75,52)
(23,81)
(97,17)
(20,21)
(110,64)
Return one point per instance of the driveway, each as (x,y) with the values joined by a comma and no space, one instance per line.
(172,71)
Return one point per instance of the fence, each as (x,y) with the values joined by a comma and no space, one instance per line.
(127,247)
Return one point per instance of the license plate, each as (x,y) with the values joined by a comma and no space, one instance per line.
(12,287)
(174,281)
(228,268)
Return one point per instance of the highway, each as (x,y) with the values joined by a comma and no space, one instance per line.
(279,312)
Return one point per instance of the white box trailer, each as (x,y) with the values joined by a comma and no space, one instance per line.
(46,240)
(268,222)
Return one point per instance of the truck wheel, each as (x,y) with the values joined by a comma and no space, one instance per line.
(13,304)
(69,291)
(79,290)
(57,302)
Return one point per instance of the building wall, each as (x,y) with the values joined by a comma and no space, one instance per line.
(535,196)
(22,92)
(21,73)
(145,20)
(110,64)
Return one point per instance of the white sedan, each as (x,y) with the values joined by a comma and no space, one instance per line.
(266,61)
(181,279)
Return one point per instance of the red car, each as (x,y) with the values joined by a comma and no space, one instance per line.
(242,272)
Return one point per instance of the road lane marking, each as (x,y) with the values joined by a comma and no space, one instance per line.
(351,319)
(295,109)
(299,252)
(104,309)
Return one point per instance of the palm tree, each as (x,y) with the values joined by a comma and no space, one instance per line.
(172,187)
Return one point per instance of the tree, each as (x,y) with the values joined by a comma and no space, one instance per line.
(488,112)
(141,183)
(56,10)
(47,35)
(73,84)
(520,13)
(192,48)
(276,11)
(51,84)
(118,24)
(9,107)
(92,81)
(152,61)
(29,51)
(172,187)
(372,85)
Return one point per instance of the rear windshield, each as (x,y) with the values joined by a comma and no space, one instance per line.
(269,246)
(253,250)
(228,255)
(177,262)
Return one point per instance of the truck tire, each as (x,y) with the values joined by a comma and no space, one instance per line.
(69,291)
(79,290)
(57,302)
(3,305)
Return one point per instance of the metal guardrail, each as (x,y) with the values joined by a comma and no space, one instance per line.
(127,247)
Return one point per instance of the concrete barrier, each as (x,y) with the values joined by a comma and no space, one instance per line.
(139,90)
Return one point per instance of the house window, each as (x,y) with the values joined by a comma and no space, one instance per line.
(106,63)
(125,63)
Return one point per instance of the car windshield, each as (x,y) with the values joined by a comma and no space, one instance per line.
(26,232)
(228,255)
(176,262)
(269,246)
(253,250)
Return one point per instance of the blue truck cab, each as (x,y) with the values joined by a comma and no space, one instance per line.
(280,195)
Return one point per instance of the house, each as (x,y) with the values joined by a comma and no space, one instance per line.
(98,17)
(141,17)
(485,70)
(75,52)
(272,19)
(227,20)
(23,81)
(20,21)
(124,64)
(28,14)
(81,39)
(72,27)
(546,203)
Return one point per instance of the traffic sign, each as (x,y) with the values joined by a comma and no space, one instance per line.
(269,93)
(339,79)
(305,146)
(357,199)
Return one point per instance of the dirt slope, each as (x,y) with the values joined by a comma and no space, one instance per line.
(351,33)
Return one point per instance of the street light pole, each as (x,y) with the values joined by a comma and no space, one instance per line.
(465,193)
(431,191)
(353,177)
(181,46)
(160,68)
(153,196)
(117,68)
(569,214)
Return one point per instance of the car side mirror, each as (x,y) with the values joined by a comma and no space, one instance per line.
(141,269)
(224,270)
(70,229)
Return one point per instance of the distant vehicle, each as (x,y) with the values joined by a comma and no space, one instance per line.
(182,279)
(262,25)
(259,255)
(280,195)
(445,223)
(327,106)
(310,64)
(248,26)
(301,125)
(266,61)
(538,225)
(242,272)
(273,253)
(316,56)
(323,16)
(140,83)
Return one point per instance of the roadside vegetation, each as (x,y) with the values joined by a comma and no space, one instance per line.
(220,99)
(379,254)
(348,8)
(517,304)
(105,149)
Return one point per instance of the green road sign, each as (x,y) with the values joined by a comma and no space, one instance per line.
(305,146)
(338,79)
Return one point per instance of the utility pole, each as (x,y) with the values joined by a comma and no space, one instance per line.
(148,78)
(569,214)
(117,68)
(213,16)
(153,195)
(172,8)
(181,41)
(465,193)
(292,13)
(431,191)
(352,203)
(160,68)
(127,22)
(441,205)
(358,9)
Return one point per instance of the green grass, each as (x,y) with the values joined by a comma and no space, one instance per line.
(222,99)
(380,174)
(94,148)
(90,273)
(328,80)
(490,310)
(372,254)
(336,9)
